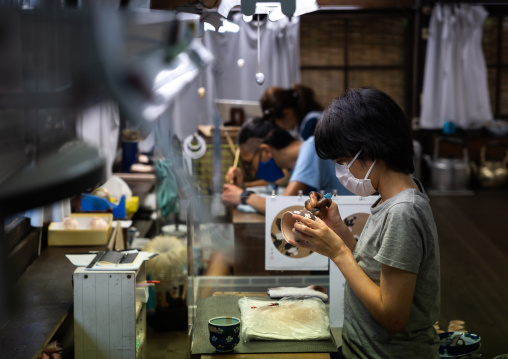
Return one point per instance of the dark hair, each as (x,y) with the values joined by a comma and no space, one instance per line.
(301,98)
(266,130)
(257,127)
(369,120)
(279,138)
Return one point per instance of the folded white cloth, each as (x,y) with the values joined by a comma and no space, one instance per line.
(292,292)
(284,319)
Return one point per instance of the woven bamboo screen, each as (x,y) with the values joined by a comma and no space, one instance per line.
(375,48)
(389,81)
(376,41)
(491,85)
(490,50)
(505,42)
(504,92)
(203,168)
(322,41)
(489,40)
(327,84)
(503,100)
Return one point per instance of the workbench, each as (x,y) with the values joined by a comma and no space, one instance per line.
(336,332)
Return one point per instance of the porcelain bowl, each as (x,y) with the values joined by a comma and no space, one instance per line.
(458,343)
(288,222)
(224,333)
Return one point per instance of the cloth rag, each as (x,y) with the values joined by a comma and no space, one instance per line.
(293,292)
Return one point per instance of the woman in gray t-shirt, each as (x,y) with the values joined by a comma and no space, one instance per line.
(392,295)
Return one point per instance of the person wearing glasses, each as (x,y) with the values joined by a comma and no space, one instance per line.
(392,291)
(265,150)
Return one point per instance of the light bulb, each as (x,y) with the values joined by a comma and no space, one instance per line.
(260,78)
(247,18)
(201,92)
(240,63)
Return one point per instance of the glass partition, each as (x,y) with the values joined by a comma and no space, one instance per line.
(226,253)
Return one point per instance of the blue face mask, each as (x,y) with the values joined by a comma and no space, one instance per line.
(269,171)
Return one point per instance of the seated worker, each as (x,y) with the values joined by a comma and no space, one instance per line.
(295,109)
(266,149)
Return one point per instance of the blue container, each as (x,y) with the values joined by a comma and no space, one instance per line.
(129,155)
(224,333)
(91,203)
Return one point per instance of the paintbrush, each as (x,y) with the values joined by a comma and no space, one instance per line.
(235,162)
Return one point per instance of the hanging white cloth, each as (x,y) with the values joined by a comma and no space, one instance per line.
(100,127)
(455,77)
(224,79)
(279,57)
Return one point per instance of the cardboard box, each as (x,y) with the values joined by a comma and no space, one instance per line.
(84,235)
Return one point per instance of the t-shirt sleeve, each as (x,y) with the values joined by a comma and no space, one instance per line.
(306,169)
(402,240)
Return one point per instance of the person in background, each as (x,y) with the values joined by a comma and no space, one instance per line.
(266,149)
(295,109)
(392,291)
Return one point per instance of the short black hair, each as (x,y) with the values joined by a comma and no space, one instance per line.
(279,138)
(366,119)
(266,130)
(257,127)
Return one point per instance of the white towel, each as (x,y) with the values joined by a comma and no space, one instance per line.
(310,291)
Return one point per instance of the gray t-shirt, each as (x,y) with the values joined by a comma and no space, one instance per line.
(400,233)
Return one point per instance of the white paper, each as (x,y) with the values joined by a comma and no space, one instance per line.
(81,259)
(84,259)
(125,223)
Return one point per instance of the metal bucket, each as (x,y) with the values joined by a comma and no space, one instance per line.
(450,174)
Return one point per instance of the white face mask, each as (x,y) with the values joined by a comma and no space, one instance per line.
(360,187)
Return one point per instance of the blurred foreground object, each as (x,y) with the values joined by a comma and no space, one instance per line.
(57,61)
